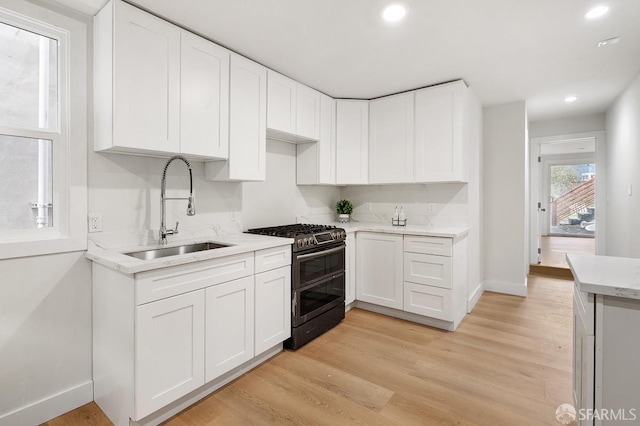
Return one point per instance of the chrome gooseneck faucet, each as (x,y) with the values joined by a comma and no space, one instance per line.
(191,207)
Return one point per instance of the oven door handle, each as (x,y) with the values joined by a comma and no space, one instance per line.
(320,253)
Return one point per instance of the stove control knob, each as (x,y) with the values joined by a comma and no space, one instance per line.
(343,234)
(307,241)
(300,243)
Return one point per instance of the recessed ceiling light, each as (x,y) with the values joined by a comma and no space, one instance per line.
(614,40)
(570,98)
(597,12)
(394,12)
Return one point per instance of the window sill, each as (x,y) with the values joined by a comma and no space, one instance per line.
(40,247)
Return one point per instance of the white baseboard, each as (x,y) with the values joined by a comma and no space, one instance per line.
(471,303)
(50,407)
(515,289)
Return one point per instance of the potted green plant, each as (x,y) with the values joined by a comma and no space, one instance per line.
(344,209)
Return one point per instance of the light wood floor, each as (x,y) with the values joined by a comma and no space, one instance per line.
(509,363)
(554,249)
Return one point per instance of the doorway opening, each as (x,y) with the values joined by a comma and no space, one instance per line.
(564,189)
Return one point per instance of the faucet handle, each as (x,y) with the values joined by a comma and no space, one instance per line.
(175,231)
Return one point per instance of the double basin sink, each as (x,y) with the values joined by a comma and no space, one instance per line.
(174,251)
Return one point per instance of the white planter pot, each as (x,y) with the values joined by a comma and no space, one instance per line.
(343,218)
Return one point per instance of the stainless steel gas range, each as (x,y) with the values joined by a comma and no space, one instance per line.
(317,278)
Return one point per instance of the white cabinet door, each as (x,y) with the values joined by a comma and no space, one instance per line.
(307,112)
(379,269)
(247,124)
(281,103)
(169,350)
(439,144)
(146,81)
(427,269)
(316,161)
(350,269)
(204,101)
(273,308)
(229,326)
(583,361)
(391,139)
(352,142)
(327,143)
(429,301)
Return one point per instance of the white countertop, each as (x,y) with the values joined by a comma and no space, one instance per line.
(607,275)
(424,230)
(238,243)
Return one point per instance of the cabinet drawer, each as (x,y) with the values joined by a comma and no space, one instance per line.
(428,245)
(166,282)
(429,301)
(427,269)
(272,258)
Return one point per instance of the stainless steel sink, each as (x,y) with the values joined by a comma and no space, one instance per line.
(174,251)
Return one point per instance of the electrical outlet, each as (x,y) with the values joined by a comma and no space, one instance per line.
(367,207)
(233,216)
(431,208)
(95,222)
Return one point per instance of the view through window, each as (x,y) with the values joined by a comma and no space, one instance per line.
(28,108)
(573,198)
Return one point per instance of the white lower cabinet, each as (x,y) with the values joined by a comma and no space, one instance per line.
(379,269)
(229,326)
(435,277)
(583,355)
(163,334)
(422,278)
(606,380)
(426,300)
(169,350)
(272,308)
(350,269)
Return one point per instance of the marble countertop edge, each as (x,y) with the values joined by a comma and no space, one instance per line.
(455,232)
(606,275)
(238,243)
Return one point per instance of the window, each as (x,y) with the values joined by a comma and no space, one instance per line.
(43,178)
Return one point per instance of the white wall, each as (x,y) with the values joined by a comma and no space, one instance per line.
(278,200)
(623,163)
(45,301)
(567,125)
(376,203)
(505,192)
(45,337)
(125,190)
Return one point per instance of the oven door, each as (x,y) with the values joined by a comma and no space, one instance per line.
(317,265)
(315,299)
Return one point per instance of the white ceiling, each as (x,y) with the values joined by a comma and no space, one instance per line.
(506,50)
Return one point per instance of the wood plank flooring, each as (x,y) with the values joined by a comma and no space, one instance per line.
(554,249)
(509,363)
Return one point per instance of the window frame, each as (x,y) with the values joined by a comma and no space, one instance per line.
(69,137)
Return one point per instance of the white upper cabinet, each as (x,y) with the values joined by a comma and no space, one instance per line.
(247,125)
(293,110)
(307,112)
(281,103)
(316,162)
(391,139)
(142,103)
(204,101)
(137,81)
(440,151)
(352,142)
